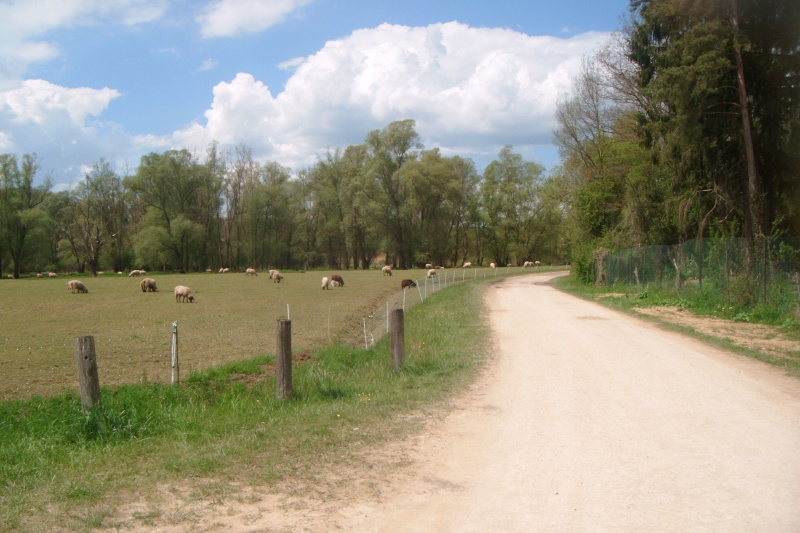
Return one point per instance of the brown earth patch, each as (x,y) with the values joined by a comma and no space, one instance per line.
(768,340)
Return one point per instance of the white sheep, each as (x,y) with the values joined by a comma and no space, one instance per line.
(75,286)
(183,294)
(148,284)
(52,275)
(272,273)
(527,264)
(428,265)
(387,270)
(325,283)
(38,275)
(492,265)
(431,272)
(251,272)
(135,273)
(537,263)
(467,264)
(277,277)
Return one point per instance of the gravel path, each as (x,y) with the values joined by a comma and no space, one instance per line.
(589,420)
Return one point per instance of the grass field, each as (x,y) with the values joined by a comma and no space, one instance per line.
(223,430)
(233,318)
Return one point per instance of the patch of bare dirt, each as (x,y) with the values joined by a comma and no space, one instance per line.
(765,339)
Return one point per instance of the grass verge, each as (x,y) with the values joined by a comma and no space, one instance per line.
(61,469)
(702,306)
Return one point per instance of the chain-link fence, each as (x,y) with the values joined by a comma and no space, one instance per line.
(764,272)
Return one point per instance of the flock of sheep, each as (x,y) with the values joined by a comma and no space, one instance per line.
(184,294)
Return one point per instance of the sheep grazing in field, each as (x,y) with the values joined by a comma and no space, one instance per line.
(337,279)
(183,294)
(527,264)
(325,283)
(432,273)
(272,273)
(10,276)
(224,270)
(148,284)
(52,275)
(74,286)
(407,283)
(277,277)
(250,272)
(135,273)
(387,270)
(39,275)
(537,263)
(467,264)
(120,272)
(492,265)
(428,265)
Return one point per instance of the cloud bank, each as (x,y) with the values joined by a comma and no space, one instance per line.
(471,91)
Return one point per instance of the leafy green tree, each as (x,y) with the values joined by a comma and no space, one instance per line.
(388,151)
(94,215)
(171,186)
(510,203)
(22,216)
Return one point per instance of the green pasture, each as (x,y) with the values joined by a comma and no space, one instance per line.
(223,430)
(233,318)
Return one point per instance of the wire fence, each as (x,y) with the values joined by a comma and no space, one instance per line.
(766,272)
(44,364)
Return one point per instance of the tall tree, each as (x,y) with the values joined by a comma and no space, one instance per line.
(21,213)
(389,150)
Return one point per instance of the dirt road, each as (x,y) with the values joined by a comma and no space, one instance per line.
(588,420)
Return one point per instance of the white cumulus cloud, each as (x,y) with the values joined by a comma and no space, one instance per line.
(471,91)
(225,18)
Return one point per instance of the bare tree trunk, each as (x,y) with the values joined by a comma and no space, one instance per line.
(753,186)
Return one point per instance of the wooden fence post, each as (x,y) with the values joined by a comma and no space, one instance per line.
(283,360)
(398,339)
(88,380)
(175,374)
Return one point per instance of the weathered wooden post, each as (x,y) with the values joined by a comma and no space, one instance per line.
(175,377)
(398,339)
(88,380)
(283,360)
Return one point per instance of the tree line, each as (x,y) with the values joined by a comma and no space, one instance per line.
(686,125)
(388,197)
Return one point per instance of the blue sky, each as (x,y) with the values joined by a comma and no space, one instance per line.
(82,80)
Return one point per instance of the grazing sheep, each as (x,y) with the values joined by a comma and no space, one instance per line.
(52,275)
(224,270)
(75,286)
(209,270)
(148,284)
(251,272)
(272,273)
(38,275)
(120,272)
(432,273)
(537,263)
(387,270)
(492,265)
(10,276)
(527,264)
(135,273)
(183,294)
(325,283)
(277,277)
(428,265)
(407,283)
(467,264)
(337,279)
